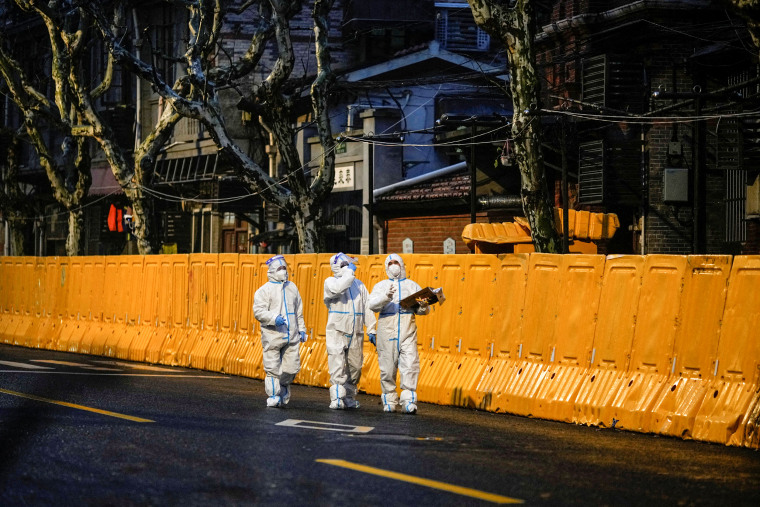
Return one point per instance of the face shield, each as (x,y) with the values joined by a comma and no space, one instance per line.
(340,261)
(277,269)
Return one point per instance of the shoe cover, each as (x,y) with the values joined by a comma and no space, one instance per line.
(351,403)
(408,401)
(390,400)
(285,394)
(272,386)
(274,401)
(337,396)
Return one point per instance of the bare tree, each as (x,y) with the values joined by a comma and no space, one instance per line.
(512,23)
(64,156)
(196,96)
(74,115)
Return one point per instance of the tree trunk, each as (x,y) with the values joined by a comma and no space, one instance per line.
(17,238)
(515,27)
(142,219)
(75,239)
(307,218)
(526,130)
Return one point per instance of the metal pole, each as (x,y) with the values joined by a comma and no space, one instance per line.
(698,211)
(371,198)
(473,181)
(565,203)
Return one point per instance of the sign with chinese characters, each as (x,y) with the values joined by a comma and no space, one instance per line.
(344,177)
(449,246)
(407,246)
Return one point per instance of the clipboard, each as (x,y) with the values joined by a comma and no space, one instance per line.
(428,295)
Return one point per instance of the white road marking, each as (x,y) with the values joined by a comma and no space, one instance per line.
(77,365)
(157,375)
(24,365)
(135,366)
(316,425)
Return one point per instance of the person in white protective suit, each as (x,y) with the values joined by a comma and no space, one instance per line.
(348,314)
(278,307)
(397,336)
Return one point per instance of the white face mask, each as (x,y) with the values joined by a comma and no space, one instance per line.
(281,275)
(394,270)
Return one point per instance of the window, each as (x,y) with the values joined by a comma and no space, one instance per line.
(456,29)
(163,37)
(591,172)
(118,92)
(614,82)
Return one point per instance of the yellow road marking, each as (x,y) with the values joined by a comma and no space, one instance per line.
(459,490)
(72,405)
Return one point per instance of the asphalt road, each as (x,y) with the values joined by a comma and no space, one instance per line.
(85,430)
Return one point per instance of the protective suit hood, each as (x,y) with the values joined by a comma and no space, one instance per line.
(395,257)
(274,263)
(338,259)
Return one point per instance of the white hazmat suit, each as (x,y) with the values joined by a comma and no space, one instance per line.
(397,336)
(278,307)
(348,314)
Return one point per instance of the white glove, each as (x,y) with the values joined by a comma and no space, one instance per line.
(391,292)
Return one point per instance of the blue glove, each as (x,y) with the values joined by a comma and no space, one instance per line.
(373,339)
(280,320)
(352,267)
(303,337)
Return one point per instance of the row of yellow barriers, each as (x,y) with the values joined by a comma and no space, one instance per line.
(662,344)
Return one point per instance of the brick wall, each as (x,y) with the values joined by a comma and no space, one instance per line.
(428,233)
(752,245)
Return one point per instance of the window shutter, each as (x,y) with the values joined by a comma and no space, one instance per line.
(591,172)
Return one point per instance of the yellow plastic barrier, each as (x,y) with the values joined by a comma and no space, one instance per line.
(662,344)
(729,413)
(511,286)
(598,397)
(651,363)
(538,322)
(26,330)
(474,345)
(696,345)
(575,325)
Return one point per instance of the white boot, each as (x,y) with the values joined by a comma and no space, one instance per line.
(272,387)
(390,401)
(408,401)
(337,397)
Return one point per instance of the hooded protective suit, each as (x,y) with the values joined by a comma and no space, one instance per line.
(278,307)
(346,300)
(397,337)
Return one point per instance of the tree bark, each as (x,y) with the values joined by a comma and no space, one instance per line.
(515,27)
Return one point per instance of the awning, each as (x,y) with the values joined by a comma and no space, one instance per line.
(103,181)
(186,169)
